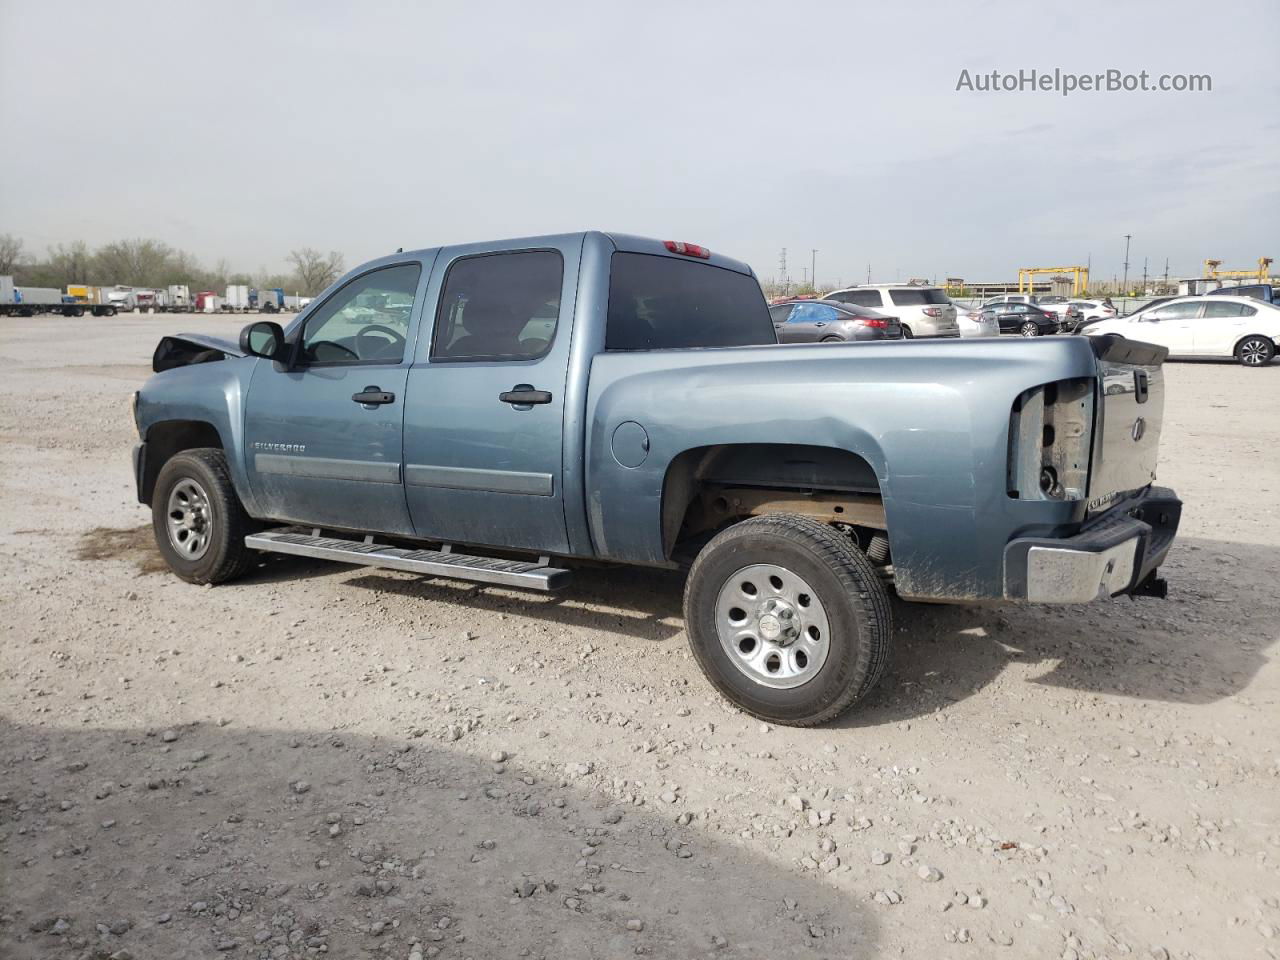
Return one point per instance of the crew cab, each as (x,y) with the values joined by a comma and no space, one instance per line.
(501,412)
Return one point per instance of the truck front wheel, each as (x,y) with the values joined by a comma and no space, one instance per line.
(788,619)
(198,520)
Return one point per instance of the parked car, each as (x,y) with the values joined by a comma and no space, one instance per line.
(658,424)
(923,311)
(1209,326)
(816,321)
(1004,298)
(973,324)
(1023,319)
(1093,310)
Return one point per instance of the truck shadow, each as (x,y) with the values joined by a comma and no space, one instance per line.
(1206,642)
(246,841)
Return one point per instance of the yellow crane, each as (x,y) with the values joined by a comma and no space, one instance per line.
(1079,278)
(1262,273)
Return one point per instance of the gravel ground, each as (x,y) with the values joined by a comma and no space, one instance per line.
(322,759)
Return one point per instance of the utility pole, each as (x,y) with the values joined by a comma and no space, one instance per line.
(868,273)
(1127,238)
(1166,271)
(1144,275)
(813,268)
(804,276)
(782,271)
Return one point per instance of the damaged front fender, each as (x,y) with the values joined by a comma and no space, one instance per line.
(188,348)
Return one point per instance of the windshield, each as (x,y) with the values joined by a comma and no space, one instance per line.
(661,303)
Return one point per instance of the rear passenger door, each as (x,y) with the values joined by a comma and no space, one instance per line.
(484,410)
(1217,330)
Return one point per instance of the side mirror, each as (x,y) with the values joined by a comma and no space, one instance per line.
(263,338)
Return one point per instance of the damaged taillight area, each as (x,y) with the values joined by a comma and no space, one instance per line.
(1050,430)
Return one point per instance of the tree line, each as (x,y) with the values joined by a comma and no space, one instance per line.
(152,263)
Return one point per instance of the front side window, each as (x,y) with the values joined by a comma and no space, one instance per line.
(1177,311)
(500,306)
(367,321)
(665,303)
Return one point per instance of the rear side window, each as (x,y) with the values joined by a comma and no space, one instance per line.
(780,313)
(862,298)
(661,303)
(501,306)
(917,296)
(1228,310)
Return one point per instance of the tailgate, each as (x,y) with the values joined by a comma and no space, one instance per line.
(1130,414)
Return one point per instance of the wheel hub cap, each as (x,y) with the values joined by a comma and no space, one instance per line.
(190,520)
(772,626)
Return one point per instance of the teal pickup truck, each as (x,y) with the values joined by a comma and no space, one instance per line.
(499,411)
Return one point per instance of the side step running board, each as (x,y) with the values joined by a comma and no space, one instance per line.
(433,563)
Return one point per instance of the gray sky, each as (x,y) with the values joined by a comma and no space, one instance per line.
(243,130)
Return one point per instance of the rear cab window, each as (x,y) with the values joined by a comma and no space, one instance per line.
(664,303)
(918,297)
(861,298)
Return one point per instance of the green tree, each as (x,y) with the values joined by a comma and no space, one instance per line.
(136,263)
(70,263)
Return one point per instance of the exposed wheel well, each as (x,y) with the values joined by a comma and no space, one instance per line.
(169,437)
(708,488)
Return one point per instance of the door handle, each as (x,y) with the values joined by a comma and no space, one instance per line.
(821,323)
(373,396)
(524,394)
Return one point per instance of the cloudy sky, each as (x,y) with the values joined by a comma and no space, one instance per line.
(243,130)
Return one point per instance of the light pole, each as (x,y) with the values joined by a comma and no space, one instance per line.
(1127,238)
(813,268)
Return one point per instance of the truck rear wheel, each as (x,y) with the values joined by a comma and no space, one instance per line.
(198,520)
(788,619)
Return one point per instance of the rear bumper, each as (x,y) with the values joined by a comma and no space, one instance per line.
(1117,554)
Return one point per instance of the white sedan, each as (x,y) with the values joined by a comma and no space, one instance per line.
(971,324)
(1093,310)
(1239,327)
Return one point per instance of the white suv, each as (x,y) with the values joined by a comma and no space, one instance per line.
(923,311)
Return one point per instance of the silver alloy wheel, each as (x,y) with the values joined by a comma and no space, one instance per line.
(190,519)
(1253,353)
(772,626)
(1029,329)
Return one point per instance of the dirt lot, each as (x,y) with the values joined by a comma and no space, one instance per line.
(322,759)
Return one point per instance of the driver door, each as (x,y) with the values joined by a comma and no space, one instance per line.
(323,433)
(1171,325)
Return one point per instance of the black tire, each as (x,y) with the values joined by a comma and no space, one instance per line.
(1029,329)
(831,340)
(847,588)
(225,556)
(1255,351)
(906,332)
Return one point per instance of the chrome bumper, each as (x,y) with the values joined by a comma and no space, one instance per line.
(1116,555)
